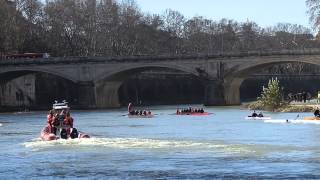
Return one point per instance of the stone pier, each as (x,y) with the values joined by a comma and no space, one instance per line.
(87,94)
(213,94)
(107,94)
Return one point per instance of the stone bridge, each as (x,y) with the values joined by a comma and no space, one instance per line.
(99,78)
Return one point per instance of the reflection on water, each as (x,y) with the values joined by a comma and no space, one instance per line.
(223,145)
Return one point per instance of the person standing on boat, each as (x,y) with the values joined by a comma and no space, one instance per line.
(130,109)
(51,121)
(68,122)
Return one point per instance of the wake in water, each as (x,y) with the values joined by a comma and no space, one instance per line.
(136,143)
(298,121)
(0,124)
(215,147)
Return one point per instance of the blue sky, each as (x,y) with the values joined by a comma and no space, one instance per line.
(263,12)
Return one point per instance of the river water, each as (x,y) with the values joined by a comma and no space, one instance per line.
(222,145)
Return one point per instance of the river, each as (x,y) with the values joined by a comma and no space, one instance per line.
(222,145)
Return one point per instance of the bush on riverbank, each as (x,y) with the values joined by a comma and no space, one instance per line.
(270,98)
(283,108)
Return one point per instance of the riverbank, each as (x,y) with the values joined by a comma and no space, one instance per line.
(309,106)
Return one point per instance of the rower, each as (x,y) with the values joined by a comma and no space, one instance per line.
(130,109)
(254,114)
(260,114)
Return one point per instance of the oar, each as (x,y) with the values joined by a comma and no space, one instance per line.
(296,117)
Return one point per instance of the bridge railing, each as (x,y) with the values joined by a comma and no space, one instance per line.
(137,58)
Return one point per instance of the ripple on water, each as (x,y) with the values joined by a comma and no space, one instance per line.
(170,145)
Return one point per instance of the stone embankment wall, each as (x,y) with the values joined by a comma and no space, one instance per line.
(19,92)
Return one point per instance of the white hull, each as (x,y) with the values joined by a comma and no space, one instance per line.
(258,118)
(293,121)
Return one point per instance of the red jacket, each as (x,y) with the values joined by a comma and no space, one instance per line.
(68,121)
(50,119)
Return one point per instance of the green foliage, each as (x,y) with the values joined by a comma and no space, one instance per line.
(271,96)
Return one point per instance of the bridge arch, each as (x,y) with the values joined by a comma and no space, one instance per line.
(121,73)
(29,87)
(48,71)
(108,84)
(236,75)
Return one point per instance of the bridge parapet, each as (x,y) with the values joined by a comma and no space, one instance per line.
(151,58)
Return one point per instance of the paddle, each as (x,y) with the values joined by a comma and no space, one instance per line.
(296,117)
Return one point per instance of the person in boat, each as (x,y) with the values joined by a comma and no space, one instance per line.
(130,109)
(260,114)
(149,112)
(317,113)
(68,122)
(178,111)
(51,121)
(144,112)
(62,115)
(254,114)
(58,119)
(201,110)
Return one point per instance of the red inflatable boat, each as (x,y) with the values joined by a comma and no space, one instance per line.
(47,135)
(57,127)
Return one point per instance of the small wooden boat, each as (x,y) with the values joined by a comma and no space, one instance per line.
(141,116)
(193,113)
